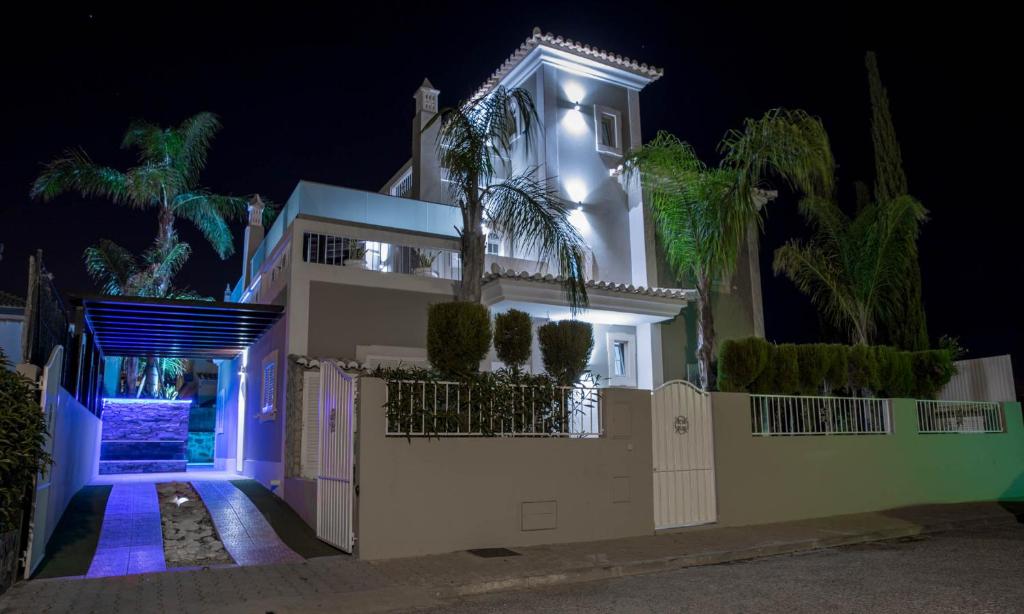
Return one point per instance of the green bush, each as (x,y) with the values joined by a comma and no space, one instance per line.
(863,369)
(838,361)
(812,359)
(932,370)
(787,369)
(22,437)
(458,337)
(513,336)
(754,365)
(565,349)
(740,362)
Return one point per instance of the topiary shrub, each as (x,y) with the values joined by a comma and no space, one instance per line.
(22,436)
(458,337)
(565,349)
(862,369)
(838,364)
(895,372)
(787,369)
(740,362)
(513,336)
(813,361)
(932,370)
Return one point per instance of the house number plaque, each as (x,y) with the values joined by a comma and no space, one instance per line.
(682,425)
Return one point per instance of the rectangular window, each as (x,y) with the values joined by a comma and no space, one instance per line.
(268,395)
(608,129)
(493,244)
(619,358)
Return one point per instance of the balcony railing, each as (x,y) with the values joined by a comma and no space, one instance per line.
(382,257)
(792,415)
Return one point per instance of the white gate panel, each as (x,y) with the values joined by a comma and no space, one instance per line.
(310,461)
(41,527)
(684,456)
(337,459)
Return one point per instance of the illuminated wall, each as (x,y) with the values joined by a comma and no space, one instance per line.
(144,436)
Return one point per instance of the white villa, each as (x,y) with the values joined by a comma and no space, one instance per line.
(374,310)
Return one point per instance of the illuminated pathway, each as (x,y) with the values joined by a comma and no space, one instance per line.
(131,538)
(246,534)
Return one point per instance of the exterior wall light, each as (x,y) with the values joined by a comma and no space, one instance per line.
(576,106)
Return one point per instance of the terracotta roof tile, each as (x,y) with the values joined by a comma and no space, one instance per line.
(674,293)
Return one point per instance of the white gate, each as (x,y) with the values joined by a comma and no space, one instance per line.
(684,456)
(39,530)
(334,478)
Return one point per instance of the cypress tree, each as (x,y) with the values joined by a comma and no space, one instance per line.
(909,330)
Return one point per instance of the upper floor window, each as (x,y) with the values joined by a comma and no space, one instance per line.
(493,247)
(608,129)
(621,359)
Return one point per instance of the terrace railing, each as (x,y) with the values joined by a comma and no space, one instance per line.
(458,409)
(959,417)
(382,257)
(772,415)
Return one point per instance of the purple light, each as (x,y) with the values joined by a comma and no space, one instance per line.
(144,401)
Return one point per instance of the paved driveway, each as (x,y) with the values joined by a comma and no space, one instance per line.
(975,571)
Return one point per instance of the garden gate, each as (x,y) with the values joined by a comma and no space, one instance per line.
(337,458)
(684,456)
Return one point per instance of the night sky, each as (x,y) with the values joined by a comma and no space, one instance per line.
(325,95)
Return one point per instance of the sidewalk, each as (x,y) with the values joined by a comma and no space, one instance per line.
(335,583)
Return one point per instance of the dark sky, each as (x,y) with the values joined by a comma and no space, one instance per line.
(325,95)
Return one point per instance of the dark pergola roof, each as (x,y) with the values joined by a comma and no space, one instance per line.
(135,326)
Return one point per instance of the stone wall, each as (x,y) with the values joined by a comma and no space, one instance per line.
(144,436)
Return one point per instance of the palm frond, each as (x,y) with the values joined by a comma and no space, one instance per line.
(76,172)
(111,266)
(536,219)
(789,144)
(207,213)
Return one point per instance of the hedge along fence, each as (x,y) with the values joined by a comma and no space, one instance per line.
(757,366)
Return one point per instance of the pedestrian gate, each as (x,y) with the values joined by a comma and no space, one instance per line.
(684,456)
(337,457)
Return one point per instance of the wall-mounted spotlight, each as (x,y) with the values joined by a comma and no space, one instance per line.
(579,207)
(576,106)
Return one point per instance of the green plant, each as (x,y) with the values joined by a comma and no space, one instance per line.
(812,359)
(863,369)
(458,337)
(513,336)
(166,179)
(895,372)
(358,251)
(423,258)
(703,214)
(787,369)
(952,345)
(932,370)
(836,375)
(565,348)
(740,362)
(22,443)
(473,136)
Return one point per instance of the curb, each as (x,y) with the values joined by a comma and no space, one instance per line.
(670,563)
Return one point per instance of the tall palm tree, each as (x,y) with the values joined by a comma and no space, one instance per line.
(857,271)
(703,214)
(166,178)
(119,273)
(473,140)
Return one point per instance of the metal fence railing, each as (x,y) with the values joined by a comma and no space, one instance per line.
(458,409)
(772,415)
(382,257)
(959,417)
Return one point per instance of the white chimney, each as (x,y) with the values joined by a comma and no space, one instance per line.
(253,238)
(426,172)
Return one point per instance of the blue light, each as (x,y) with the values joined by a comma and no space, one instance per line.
(133,401)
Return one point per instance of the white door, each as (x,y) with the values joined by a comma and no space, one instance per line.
(684,456)
(39,529)
(334,477)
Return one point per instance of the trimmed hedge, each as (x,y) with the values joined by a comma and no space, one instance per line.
(755,365)
(513,336)
(565,349)
(458,337)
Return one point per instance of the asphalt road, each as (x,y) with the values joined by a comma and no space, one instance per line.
(977,570)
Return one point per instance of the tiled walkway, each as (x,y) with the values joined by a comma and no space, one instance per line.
(131,538)
(246,534)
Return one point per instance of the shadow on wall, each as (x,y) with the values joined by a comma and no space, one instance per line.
(1012,499)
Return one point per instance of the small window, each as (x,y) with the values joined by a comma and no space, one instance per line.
(493,244)
(619,358)
(608,129)
(268,396)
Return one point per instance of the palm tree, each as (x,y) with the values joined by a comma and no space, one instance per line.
(472,136)
(703,214)
(166,178)
(119,273)
(857,271)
